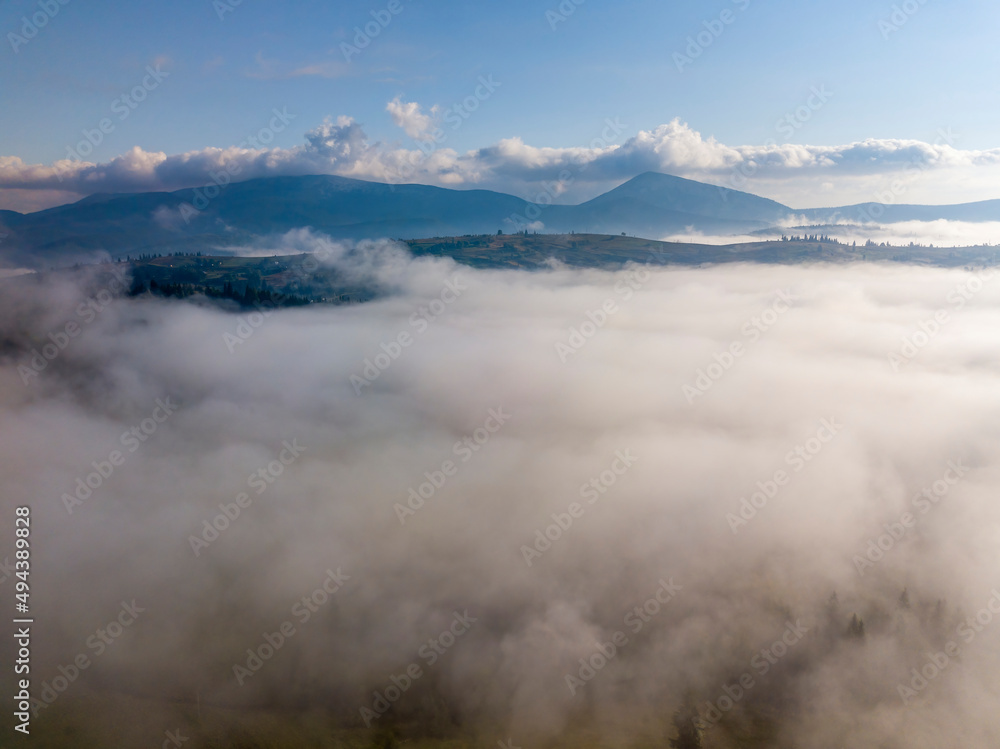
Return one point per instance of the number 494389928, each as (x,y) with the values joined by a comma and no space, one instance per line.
(22,566)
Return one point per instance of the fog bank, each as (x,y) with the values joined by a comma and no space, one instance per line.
(497,474)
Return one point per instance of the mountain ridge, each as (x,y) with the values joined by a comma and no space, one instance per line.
(651,204)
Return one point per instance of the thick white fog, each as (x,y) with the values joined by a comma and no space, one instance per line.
(666,473)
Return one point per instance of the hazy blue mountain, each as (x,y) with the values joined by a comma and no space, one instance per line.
(657,202)
(650,205)
(141,223)
(985,210)
(8,219)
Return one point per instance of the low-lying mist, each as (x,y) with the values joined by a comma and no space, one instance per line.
(937,233)
(509,505)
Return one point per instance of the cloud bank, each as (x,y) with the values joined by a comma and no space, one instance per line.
(573,501)
(799,175)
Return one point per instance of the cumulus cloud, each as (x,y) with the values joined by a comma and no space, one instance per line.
(547,412)
(409,117)
(340,142)
(939,172)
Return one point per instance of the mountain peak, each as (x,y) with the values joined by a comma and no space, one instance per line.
(658,192)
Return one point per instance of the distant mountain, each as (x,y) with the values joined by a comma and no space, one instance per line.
(985,210)
(8,219)
(650,205)
(656,204)
(187,220)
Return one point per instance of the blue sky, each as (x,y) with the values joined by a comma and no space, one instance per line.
(557,86)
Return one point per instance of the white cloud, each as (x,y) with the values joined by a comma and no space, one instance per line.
(798,175)
(414,122)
